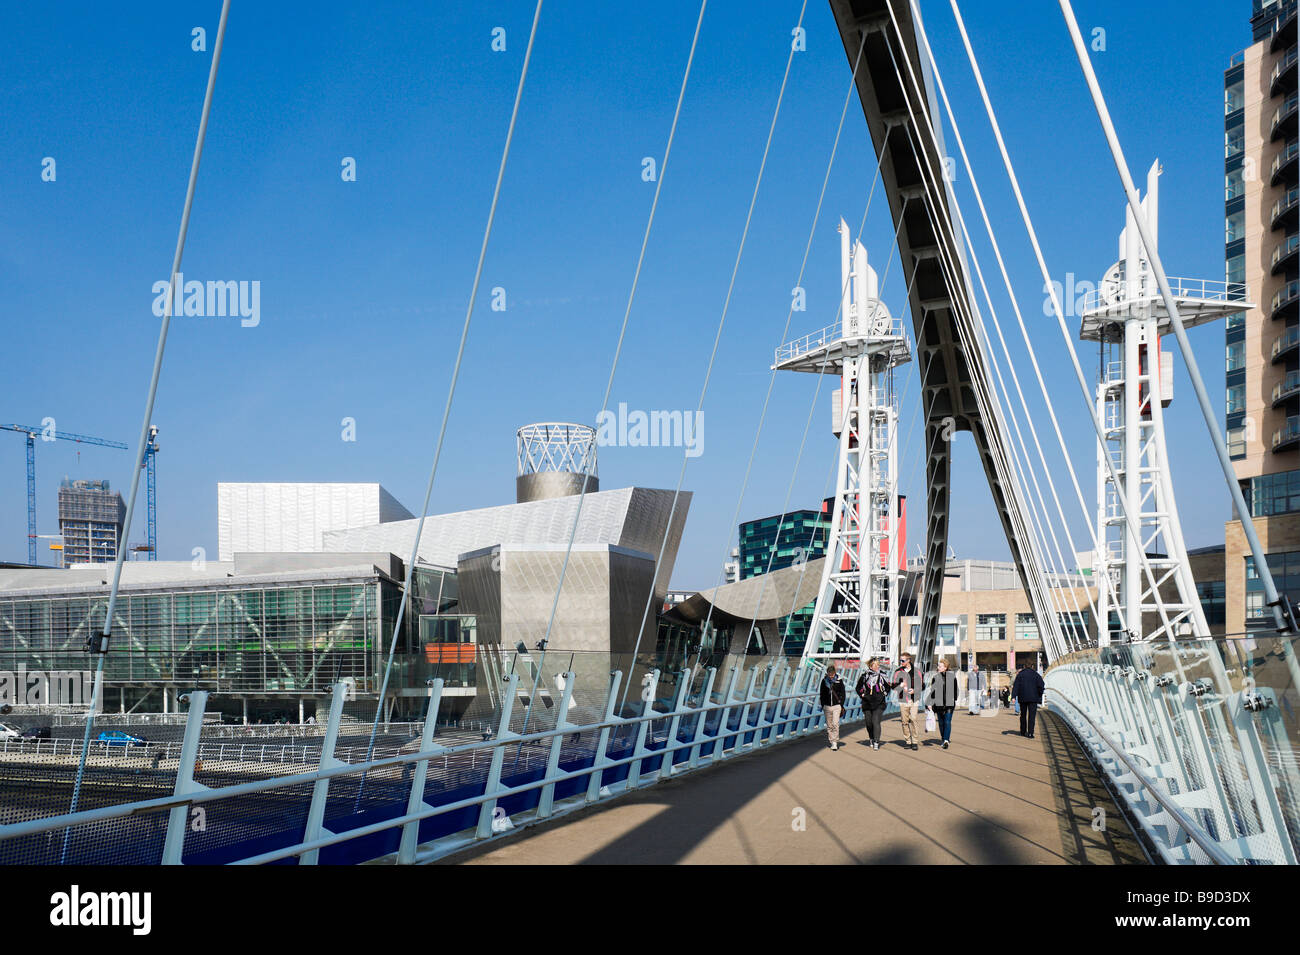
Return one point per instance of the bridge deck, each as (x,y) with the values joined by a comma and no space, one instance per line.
(993,797)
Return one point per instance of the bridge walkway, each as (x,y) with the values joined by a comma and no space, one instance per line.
(993,797)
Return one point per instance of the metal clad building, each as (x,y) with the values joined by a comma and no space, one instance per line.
(288,518)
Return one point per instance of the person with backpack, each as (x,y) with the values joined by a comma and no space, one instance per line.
(873,688)
(1027,691)
(832,700)
(941,698)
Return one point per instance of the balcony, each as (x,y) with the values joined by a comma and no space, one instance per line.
(1286,343)
(1287,437)
(1284,163)
(1288,387)
(1284,299)
(1283,74)
(1284,210)
(1284,256)
(1284,118)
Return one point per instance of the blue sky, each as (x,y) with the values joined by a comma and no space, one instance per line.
(364,284)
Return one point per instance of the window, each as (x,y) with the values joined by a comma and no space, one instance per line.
(1026,627)
(1235,321)
(1286,575)
(946,635)
(1236,399)
(991,626)
(1234,186)
(1236,271)
(1234,227)
(1274,494)
(1212,596)
(1234,97)
(1236,442)
(1234,142)
(1236,356)
(1074,627)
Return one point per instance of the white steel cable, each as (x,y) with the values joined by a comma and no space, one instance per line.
(771,381)
(952,277)
(1129,519)
(717,338)
(1088,522)
(148,412)
(627,312)
(1284,621)
(455,376)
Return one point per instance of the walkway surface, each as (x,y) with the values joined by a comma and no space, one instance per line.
(992,797)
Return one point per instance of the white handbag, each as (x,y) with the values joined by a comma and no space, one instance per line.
(931,722)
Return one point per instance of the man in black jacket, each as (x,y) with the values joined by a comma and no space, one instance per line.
(1028,690)
(832,700)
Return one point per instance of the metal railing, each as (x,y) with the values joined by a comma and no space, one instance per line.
(1288,60)
(1185,289)
(1287,433)
(1285,111)
(1284,156)
(1289,246)
(1194,739)
(1287,386)
(833,333)
(1287,340)
(414,807)
(1286,203)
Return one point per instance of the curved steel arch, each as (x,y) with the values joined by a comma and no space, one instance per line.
(949,373)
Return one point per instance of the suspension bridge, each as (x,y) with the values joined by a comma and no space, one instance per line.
(1184,744)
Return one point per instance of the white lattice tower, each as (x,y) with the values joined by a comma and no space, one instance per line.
(1127,315)
(856,614)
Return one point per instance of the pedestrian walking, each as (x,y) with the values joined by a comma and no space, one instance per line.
(873,688)
(907,680)
(832,698)
(1027,691)
(941,698)
(975,683)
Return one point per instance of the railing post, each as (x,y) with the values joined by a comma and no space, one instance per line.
(504,735)
(648,696)
(702,723)
(601,759)
(725,714)
(546,803)
(179,816)
(1271,818)
(679,704)
(415,802)
(321,788)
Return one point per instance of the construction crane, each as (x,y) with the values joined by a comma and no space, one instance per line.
(50,434)
(150,450)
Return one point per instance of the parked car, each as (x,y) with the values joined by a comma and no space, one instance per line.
(37,732)
(118,738)
(9,731)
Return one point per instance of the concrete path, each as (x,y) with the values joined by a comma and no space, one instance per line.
(993,797)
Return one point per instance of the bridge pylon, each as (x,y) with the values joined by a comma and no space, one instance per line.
(856,614)
(1127,315)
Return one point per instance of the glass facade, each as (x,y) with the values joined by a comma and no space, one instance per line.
(782,541)
(1271,494)
(1212,594)
(1286,576)
(1026,627)
(275,638)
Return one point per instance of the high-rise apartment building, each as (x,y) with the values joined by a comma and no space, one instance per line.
(1262,236)
(91,516)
